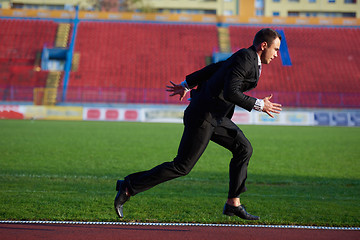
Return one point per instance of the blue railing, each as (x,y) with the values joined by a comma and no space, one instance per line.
(69,56)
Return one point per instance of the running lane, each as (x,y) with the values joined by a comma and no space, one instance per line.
(161,232)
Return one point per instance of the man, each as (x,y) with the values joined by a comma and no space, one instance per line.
(220,87)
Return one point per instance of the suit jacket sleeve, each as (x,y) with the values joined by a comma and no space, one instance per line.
(241,75)
(202,75)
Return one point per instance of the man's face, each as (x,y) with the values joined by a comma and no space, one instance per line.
(270,52)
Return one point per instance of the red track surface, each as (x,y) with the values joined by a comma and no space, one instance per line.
(134,232)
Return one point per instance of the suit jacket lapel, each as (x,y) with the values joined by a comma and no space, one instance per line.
(255,62)
(257,75)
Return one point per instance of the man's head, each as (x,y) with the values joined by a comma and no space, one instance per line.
(267,44)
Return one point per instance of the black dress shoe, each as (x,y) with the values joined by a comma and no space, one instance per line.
(239,211)
(120,198)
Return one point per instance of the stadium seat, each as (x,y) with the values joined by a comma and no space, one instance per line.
(324,61)
(137,55)
(21,41)
(133,62)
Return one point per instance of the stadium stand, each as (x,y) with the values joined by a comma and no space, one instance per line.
(138,55)
(21,44)
(122,62)
(325,67)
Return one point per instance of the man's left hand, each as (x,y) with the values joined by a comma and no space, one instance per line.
(270,107)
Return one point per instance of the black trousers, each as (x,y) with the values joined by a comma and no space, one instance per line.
(196,136)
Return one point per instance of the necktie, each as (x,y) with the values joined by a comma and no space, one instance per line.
(259,70)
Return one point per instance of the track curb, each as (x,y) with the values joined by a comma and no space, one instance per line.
(180,224)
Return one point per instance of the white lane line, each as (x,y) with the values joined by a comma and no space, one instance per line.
(180,224)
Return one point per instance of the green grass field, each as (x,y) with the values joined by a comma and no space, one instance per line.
(67,170)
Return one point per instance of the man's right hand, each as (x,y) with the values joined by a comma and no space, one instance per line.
(176,89)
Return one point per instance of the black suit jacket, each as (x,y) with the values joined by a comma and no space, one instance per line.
(221,86)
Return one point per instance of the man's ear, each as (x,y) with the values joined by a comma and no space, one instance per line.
(263,46)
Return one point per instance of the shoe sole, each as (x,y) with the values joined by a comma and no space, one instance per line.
(119,211)
(233,214)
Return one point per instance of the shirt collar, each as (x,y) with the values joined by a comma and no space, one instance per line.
(259,60)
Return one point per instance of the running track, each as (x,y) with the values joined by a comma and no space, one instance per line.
(131,231)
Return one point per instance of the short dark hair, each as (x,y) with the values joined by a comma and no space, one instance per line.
(267,35)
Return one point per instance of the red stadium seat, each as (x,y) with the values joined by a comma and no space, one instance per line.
(136,55)
(324,60)
(21,41)
(132,62)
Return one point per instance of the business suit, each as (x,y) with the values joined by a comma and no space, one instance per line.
(220,87)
